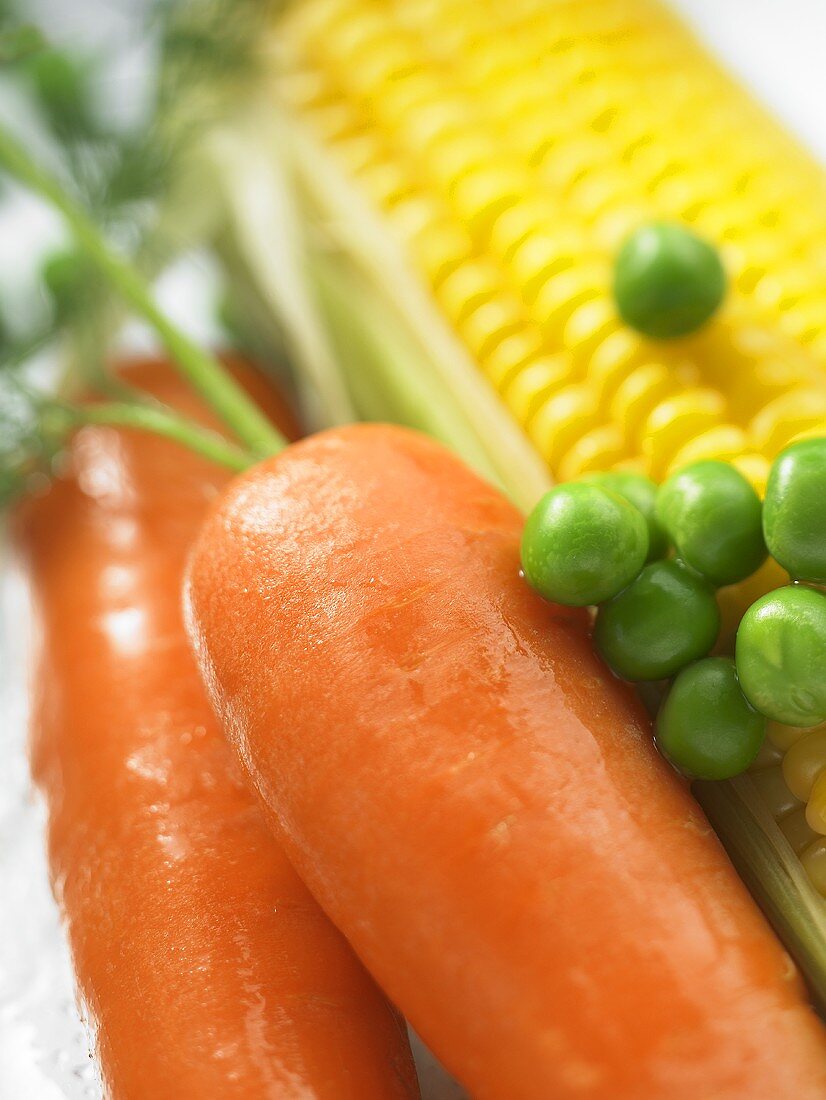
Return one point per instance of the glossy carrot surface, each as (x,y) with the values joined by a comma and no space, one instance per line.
(205,968)
(471,796)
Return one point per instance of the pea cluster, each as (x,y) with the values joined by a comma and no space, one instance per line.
(651,559)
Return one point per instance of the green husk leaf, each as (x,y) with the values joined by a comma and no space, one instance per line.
(267,250)
(384,371)
(411,360)
(347,225)
(771,870)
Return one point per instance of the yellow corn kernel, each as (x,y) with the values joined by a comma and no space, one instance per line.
(491,323)
(427,122)
(535,383)
(816,806)
(562,419)
(503,361)
(817,432)
(754,468)
(515,223)
(817,347)
(561,293)
(774,792)
(588,326)
(803,320)
(614,224)
(531,137)
(763,380)
(778,423)
(450,158)
(797,830)
(571,160)
(687,197)
(804,762)
(725,442)
(482,194)
(783,737)
(783,293)
(466,288)
(613,360)
(538,257)
(675,421)
(638,394)
(593,195)
(402,103)
(494,62)
(602,448)
(813,858)
(517,94)
(375,68)
(412,216)
(439,249)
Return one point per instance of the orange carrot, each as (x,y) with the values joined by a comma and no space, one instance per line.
(205,968)
(472,798)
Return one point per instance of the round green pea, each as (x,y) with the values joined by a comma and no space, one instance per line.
(582,544)
(667,281)
(665,618)
(713,516)
(794,511)
(706,727)
(781,655)
(640,491)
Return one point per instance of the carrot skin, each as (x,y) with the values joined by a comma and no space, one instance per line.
(471,796)
(205,968)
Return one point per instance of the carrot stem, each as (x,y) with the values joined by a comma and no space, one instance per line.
(201,370)
(159,421)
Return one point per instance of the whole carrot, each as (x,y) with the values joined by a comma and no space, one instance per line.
(204,967)
(472,798)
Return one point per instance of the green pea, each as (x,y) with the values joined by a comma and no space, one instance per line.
(794,511)
(665,618)
(713,516)
(582,544)
(706,727)
(781,655)
(640,491)
(667,281)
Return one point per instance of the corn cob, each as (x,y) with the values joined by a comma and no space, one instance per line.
(510,148)
(507,150)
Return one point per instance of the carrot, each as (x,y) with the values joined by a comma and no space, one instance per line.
(472,798)
(205,968)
